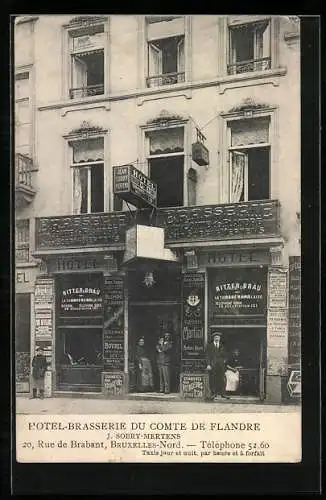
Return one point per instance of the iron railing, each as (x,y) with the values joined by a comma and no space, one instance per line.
(166,79)
(24,168)
(251,65)
(88,91)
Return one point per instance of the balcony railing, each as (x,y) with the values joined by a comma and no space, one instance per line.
(166,79)
(24,168)
(24,190)
(255,219)
(251,65)
(88,91)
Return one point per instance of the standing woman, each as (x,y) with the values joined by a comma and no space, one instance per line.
(144,373)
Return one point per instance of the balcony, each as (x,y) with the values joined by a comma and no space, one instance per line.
(248,66)
(183,226)
(165,79)
(24,190)
(91,90)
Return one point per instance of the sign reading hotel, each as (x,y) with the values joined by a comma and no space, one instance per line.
(134,187)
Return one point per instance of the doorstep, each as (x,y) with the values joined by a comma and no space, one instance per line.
(154,396)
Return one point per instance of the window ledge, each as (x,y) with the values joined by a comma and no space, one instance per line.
(76,104)
(266,76)
(222,83)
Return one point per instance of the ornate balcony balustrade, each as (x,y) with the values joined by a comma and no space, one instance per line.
(89,91)
(247,66)
(166,79)
(255,219)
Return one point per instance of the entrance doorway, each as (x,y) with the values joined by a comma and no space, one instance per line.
(246,348)
(154,309)
(150,322)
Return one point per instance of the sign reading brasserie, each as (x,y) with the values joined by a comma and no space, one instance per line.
(113,330)
(294,340)
(133,186)
(237,293)
(193,315)
(202,223)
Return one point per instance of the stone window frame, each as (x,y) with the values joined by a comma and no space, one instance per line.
(74,25)
(145,129)
(90,132)
(143,55)
(224,24)
(261,111)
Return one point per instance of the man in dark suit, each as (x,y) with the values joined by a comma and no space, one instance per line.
(216,361)
(164,349)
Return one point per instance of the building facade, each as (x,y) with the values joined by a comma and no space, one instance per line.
(208,108)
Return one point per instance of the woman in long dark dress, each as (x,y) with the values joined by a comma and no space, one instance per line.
(144,372)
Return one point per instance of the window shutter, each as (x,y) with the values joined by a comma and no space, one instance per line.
(181,55)
(245,132)
(79,73)
(154,60)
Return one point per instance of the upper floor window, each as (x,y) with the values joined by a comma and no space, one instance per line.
(87,61)
(249,47)
(249,152)
(22,240)
(166,165)
(23,117)
(166,50)
(88,175)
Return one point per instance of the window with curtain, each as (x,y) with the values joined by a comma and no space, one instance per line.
(249,47)
(250,160)
(166,141)
(88,175)
(87,62)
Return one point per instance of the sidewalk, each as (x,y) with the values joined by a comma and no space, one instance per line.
(70,406)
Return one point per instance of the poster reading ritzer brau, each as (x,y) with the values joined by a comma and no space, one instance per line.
(158,238)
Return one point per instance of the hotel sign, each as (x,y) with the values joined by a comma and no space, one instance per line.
(134,187)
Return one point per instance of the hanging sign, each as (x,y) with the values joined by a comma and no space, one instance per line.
(134,187)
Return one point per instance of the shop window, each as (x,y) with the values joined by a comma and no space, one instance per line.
(22,240)
(81,347)
(249,47)
(87,62)
(249,160)
(166,50)
(88,175)
(166,165)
